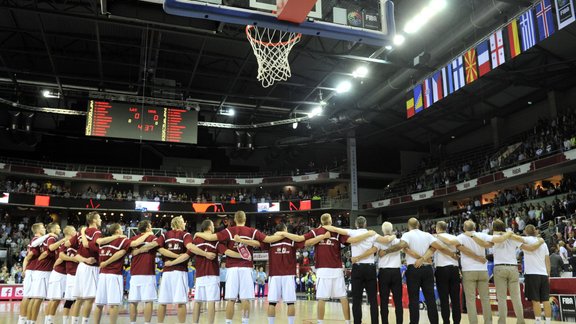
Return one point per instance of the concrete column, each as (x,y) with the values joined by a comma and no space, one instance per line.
(496,123)
(553,104)
(353,168)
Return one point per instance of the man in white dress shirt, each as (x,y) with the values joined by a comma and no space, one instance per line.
(537,273)
(474,271)
(506,275)
(390,277)
(447,278)
(420,273)
(363,268)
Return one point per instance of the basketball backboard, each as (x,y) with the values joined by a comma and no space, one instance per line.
(364,21)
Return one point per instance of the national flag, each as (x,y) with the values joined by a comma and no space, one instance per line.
(427,89)
(545,20)
(471,66)
(483,58)
(437,90)
(447,80)
(418,100)
(410,108)
(497,49)
(513,39)
(458,73)
(527,30)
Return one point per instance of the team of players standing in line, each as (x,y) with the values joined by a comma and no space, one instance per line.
(84,268)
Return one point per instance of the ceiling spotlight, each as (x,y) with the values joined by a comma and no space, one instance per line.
(323,103)
(50,94)
(294,125)
(438,4)
(388,47)
(399,39)
(227,111)
(360,72)
(313,113)
(343,87)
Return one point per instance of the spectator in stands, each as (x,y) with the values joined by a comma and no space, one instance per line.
(556,263)
(568,229)
(4,275)
(564,255)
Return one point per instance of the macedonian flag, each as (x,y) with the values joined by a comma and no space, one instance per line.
(471,65)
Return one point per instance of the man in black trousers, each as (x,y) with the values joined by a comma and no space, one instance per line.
(363,268)
(447,279)
(417,245)
(390,277)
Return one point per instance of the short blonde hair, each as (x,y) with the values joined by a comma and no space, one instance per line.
(413,223)
(240,217)
(69,230)
(36,227)
(113,228)
(469,226)
(177,222)
(91,216)
(387,228)
(51,226)
(326,219)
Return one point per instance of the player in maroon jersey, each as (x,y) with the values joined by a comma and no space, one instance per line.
(282,262)
(239,281)
(88,254)
(58,279)
(329,270)
(142,274)
(29,267)
(207,272)
(109,290)
(71,308)
(41,276)
(174,283)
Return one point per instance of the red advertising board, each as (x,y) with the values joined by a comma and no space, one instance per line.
(11,292)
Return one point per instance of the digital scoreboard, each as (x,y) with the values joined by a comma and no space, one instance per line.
(141,122)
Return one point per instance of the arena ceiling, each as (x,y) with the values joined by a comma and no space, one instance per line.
(134,49)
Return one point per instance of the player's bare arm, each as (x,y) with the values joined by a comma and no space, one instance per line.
(369,253)
(466,251)
(139,241)
(115,257)
(360,238)
(252,243)
(532,247)
(108,239)
(317,239)
(198,251)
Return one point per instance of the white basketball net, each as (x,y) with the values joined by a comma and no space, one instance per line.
(271,48)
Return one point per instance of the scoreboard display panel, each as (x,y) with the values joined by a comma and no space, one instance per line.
(135,121)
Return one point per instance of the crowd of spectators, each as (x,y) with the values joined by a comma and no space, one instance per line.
(244,195)
(545,138)
(14,237)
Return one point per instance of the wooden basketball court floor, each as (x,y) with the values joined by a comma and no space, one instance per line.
(305,314)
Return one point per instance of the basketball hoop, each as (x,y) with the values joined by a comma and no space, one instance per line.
(271,48)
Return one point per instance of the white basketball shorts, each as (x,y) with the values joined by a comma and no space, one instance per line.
(70,284)
(109,290)
(327,288)
(56,286)
(173,288)
(142,288)
(281,288)
(239,283)
(27,283)
(39,284)
(86,281)
(207,289)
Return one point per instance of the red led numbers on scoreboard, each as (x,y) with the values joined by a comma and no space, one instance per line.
(124,120)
